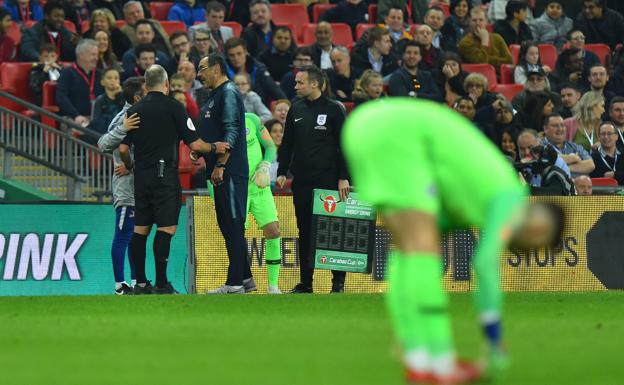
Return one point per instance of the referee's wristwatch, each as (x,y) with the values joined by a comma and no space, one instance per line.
(213,147)
(220,165)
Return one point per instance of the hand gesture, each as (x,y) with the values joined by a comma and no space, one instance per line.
(546,69)
(343,189)
(131,122)
(217,176)
(281,181)
(222,147)
(120,169)
(261,177)
(194,158)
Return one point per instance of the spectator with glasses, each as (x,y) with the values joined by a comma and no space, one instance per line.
(607,158)
(576,39)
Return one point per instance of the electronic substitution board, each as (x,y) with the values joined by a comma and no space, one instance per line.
(343,232)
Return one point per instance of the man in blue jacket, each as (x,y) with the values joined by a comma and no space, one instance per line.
(186,11)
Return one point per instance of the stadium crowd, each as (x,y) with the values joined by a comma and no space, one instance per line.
(510,71)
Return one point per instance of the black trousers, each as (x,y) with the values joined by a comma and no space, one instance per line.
(302,198)
(230,199)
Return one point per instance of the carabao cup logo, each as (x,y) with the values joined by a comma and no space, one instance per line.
(329,203)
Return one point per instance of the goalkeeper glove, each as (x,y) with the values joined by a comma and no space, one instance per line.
(261,177)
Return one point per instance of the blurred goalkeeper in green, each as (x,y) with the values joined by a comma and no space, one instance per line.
(429,170)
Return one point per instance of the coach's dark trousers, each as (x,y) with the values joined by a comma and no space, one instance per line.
(230,199)
(302,198)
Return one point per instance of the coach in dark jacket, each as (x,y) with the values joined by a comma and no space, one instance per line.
(311,150)
(409,80)
(240,61)
(50,30)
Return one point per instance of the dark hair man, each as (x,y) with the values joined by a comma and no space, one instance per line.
(311,149)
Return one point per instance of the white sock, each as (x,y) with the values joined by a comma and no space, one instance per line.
(444,364)
(133,282)
(418,360)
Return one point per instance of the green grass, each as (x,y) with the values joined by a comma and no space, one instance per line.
(567,339)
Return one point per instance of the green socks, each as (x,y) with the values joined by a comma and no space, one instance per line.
(273,259)
(418,304)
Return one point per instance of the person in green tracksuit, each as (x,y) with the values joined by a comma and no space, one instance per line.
(260,202)
(429,170)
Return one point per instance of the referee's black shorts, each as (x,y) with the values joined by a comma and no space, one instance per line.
(157,200)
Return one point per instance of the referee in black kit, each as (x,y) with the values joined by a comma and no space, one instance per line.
(222,118)
(311,149)
(156,181)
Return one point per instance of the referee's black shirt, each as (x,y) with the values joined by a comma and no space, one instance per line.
(164,123)
(311,142)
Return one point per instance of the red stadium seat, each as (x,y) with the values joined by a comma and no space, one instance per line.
(514,49)
(490,28)
(486,70)
(319,9)
(120,23)
(160,9)
(413,28)
(185,166)
(507,73)
(237,29)
(361,28)
(173,26)
(508,90)
(86,24)
(48,99)
(14,80)
(14,33)
(601,50)
(295,14)
(445,8)
(349,106)
(342,34)
(372,13)
(548,55)
(607,182)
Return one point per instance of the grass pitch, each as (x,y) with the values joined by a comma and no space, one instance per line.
(553,339)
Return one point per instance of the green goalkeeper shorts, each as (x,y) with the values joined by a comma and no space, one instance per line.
(261,205)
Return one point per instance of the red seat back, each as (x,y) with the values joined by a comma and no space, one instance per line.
(608,182)
(237,29)
(514,50)
(548,55)
(14,80)
(295,14)
(120,23)
(508,90)
(173,26)
(319,9)
(14,33)
(601,50)
(507,73)
(361,28)
(486,70)
(160,9)
(342,34)
(48,99)
(446,8)
(372,13)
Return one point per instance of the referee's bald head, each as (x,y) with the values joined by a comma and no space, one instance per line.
(155,77)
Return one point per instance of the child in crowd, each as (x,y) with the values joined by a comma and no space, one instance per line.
(46,69)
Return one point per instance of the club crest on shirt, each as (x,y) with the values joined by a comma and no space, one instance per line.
(207,115)
(211,104)
(321,119)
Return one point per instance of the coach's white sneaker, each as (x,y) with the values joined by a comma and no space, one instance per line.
(273,289)
(227,289)
(249,285)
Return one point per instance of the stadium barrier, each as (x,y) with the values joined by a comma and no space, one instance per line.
(588,258)
(65,249)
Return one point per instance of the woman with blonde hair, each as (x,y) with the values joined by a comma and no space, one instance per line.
(582,127)
(368,87)
(102,19)
(476,88)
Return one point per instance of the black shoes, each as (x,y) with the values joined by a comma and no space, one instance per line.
(147,289)
(300,288)
(167,289)
(337,288)
(125,289)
